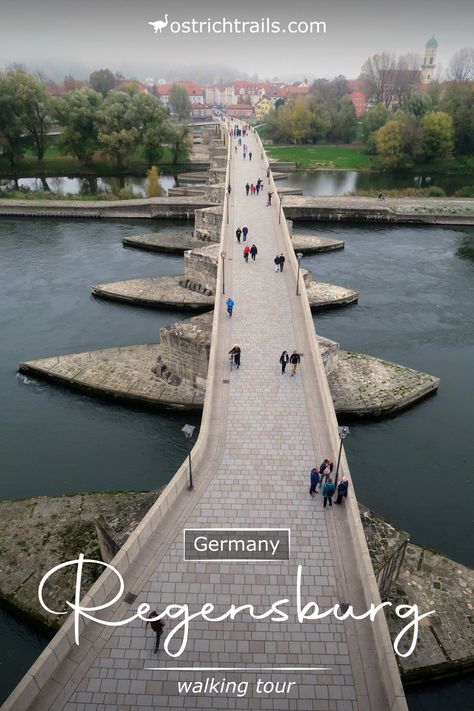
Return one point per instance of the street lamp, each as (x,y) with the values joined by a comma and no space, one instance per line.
(299,256)
(342,431)
(223,271)
(188,433)
(227,210)
(280,210)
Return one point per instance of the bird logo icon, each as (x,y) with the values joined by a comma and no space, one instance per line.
(159,25)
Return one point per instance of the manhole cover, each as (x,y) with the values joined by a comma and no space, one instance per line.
(226,381)
(129,598)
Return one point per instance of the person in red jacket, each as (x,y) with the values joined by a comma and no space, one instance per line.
(246,252)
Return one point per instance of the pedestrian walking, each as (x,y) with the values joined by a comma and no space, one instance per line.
(276,262)
(229,189)
(295,359)
(328,492)
(342,488)
(257,188)
(246,253)
(238,234)
(268,172)
(252,189)
(157,626)
(250,155)
(245,231)
(236,149)
(235,355)
(313,480)
(247,188)
(284,358)
(281,261)
(253,252)
(269,199)
(230,306)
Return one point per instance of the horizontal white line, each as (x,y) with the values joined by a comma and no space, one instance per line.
(247,669)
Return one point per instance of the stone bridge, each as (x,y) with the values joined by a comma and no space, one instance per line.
(260,435)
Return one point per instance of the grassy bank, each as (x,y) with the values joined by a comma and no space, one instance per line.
(355,158)
(307,157)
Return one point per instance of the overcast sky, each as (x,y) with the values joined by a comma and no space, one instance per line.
(62,36)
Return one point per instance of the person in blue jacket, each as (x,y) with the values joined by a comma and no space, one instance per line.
(230,306)
(328,491)
(314,480)
(342,488)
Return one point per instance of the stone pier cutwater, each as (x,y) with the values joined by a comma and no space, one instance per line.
(260,434)
(173,373)
(179,242)
(200,272)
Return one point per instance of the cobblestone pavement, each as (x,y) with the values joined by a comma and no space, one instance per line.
(260,480)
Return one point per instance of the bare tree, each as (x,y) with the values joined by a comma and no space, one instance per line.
(461,66)
(378,74)
(406,77)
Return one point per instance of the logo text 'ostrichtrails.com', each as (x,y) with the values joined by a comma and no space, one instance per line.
(222,26)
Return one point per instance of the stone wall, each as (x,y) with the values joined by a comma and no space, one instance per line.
(185,348)
(329,353)
(207,224)
(200,267)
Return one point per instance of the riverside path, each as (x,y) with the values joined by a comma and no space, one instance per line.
(261,434)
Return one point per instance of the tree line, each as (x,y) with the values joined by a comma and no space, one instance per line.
(405,123)
(325,114)
(115,119)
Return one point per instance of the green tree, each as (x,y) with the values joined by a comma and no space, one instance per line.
(149,116)
(102,81)
(458,102)
(388,142)
(372,121)
(397,142)
(418,104)
(153,187)
(179,141)
(77,112)
(11,127)
(437,135)
(344,122)
(179,101)
(30,103)
(117,134)
(283,129)
(301,121)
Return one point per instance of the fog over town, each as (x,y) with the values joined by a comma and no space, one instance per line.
(60,39)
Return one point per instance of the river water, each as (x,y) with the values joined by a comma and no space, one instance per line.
(416,301)
(343,182)
(319,182)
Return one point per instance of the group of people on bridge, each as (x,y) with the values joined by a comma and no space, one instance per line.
(322,477)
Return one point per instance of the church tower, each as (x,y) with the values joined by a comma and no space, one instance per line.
(429,61)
